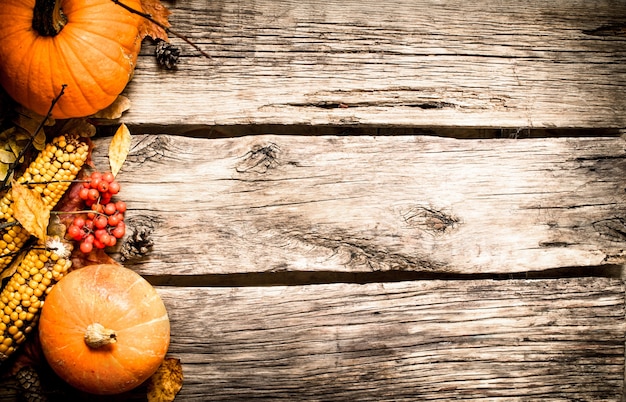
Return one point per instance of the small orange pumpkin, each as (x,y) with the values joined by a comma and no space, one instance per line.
(90,45)
(104,329)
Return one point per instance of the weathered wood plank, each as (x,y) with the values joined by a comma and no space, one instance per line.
(515,340)
(402,63)
(428,340)
(363,204)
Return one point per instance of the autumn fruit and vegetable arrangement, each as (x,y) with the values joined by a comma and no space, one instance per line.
(65,304)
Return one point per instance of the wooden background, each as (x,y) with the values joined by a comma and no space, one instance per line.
(384,201)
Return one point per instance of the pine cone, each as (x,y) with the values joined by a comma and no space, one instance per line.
(167,54)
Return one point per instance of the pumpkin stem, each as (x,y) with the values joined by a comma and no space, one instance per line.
(48,17)
(97,336)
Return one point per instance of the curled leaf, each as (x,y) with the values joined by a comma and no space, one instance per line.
(166,382)
(119,149)
(160,14)
(30,210)
(79,127)
(114,110)
(10,270)
(7,156)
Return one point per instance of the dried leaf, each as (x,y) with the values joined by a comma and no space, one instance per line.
(29,120)
(7,156)
(159,13)
(119,149)
(4,170)
(56,227)
(10,270)
(79,127)
(114,110)
(30,210)
(166,382)
(39,142)
(97,256)
(31,355)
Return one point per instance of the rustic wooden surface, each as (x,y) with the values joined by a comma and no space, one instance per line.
(399,62)
(425,340)
(516,340)
(267,204)
(384,268)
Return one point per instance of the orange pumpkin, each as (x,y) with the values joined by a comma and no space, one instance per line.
(104,329)
(89,45)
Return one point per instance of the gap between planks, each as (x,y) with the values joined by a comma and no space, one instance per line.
(302,278)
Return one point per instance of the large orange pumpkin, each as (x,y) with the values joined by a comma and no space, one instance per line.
(89,45)
(104,329)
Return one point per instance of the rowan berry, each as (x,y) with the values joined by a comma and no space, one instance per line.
(114,187)
(75,232)
(93,194)
(105,198)
(100,222)
(110,209)
(83,194)
(119,230)
(105,238)
(79,222)
(86,247)
(103,187)
(97,243)
(115,219)
(112,241)
(108,177)
(121,206)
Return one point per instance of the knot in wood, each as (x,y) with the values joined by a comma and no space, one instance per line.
(259,159)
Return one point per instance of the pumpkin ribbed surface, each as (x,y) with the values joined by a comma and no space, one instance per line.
(94,54)
(110,297)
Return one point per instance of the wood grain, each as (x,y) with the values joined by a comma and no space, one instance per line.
(369,204)
(515,340)
(531,64)
(426,340)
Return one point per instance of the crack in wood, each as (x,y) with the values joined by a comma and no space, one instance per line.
(426,105)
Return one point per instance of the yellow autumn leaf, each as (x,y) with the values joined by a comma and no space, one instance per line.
(30,210)
(4,171)
(166,382)
(119,149)
(7,157)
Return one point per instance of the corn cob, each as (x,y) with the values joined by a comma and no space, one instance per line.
(51,173)
(23,296)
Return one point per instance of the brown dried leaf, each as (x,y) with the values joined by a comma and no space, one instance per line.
(10,270)
(79,127)
(30,210)
(119,149)
(166,382)
(159,13)
(114,111)
(97,256)
(29,120)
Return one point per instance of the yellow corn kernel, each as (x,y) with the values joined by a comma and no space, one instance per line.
(23,306)
(40,175)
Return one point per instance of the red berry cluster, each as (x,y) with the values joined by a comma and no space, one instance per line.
(104,224)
